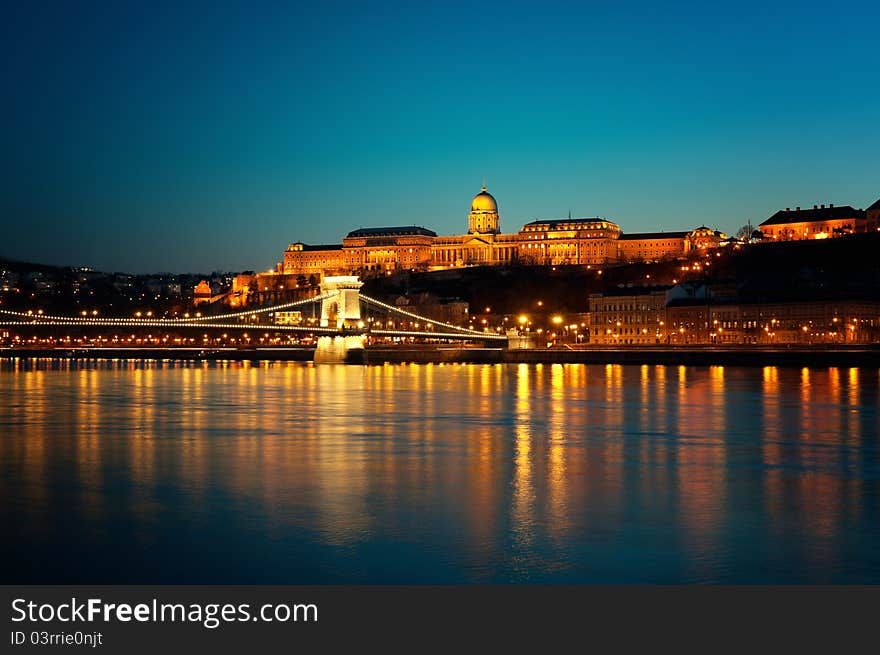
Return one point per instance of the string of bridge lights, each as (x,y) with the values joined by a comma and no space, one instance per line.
(164,324)
(263,310)
(30,318)
(97,320)
(46,318)
(391,308)
(483,336)
(273,328)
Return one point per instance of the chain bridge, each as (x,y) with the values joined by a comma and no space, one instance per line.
(338,310)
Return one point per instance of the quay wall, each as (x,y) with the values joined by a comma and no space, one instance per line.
(863,356)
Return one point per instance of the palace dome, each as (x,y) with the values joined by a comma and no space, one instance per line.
(484,202)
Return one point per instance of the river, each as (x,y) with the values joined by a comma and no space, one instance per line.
(280,472)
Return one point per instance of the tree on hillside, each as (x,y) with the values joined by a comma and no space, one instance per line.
(745,232)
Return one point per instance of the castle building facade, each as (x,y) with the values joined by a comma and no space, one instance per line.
(820,222)
(572,241)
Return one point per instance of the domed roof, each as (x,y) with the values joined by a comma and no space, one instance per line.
(484,202)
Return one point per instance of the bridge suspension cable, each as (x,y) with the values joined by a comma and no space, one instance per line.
(124,323)
(262,310)
(98,320)
(378,303)
(449,331)
(312,329)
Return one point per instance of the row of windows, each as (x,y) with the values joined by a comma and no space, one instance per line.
(627,307)
(638,244)
(641,332)
(628,318)
(569,235)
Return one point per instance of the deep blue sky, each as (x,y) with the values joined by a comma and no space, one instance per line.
(148,137)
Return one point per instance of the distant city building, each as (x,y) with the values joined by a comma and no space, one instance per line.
(872,216)
(123,282)
(585,241)
(628,316)
(202,293)
(8,281)
(689,313)
(718,316)
(820,222)
(452,311)
(288,318)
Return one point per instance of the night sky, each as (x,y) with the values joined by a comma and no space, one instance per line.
(147,137)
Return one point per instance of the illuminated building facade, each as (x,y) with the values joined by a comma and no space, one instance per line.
(786,321)
(202,293)
(872,216)
(820,222)
(697,314)
(288,318)
(632,317)
(585,241)
(304,259)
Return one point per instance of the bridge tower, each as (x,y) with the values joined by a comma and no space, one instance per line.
(343,308)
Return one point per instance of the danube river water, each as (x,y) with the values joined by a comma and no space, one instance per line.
(161,472)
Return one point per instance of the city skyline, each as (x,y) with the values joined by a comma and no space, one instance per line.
(185,140)
(324,307)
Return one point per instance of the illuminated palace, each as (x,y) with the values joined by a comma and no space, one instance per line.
(820,222)
(588,241)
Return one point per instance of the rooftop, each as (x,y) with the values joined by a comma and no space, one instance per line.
(653,235)
(556,222)
(323,246)
(633,291)
(399,231)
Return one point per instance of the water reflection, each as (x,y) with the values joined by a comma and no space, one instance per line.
(557,497)
(130,471)
(523,491)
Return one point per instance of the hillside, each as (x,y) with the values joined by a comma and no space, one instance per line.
(848,266)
